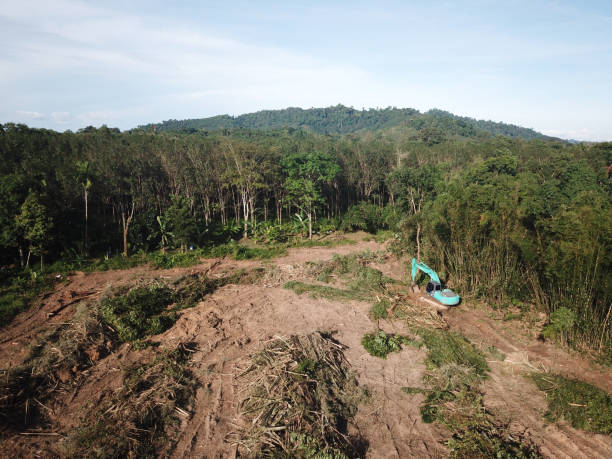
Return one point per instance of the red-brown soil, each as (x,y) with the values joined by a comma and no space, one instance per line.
(236,320)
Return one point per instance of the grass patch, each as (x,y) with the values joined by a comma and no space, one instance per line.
(355,271)
(381,344)
(243,252)
(513,316)
(496,353)
(583,405)
(301,397)
(489,441)
(176,260)
(18,290)
(449,348)
(141,419)
(381,236)
(320,242)
(453,398)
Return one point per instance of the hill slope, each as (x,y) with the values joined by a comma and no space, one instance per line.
(343,120)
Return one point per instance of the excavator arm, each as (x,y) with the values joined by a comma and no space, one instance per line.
(416,266)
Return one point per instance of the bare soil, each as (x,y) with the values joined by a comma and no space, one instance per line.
(236,320)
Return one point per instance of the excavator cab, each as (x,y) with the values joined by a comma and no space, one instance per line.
(433,287)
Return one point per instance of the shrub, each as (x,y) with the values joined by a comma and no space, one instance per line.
(365,216)
(139,313)
(561,322)
(167,261)
(381,344)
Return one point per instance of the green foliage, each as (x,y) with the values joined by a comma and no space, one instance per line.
(489,441)
(379,310)
(366,217)
(242,252)
(381,344)
(341,120)
(35,224)
(17,292)
(167,261)
(139,313)
(453,399)
(180,221)
(505,217)
(581,404)
(561,322)
(449,348)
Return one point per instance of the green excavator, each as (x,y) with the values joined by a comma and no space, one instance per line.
(434,288)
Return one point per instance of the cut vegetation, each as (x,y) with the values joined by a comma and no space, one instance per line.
(581,404)
(300,399)
(453,398)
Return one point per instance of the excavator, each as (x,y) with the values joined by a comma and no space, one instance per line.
(434,288)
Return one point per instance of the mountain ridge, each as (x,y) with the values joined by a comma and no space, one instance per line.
(340,119)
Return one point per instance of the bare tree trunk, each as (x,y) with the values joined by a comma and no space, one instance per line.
(41,263)
(20,249)
(28,259)
(86,223)
(252,207)
(245,213)
(310,225)
(126,226)
(418,241)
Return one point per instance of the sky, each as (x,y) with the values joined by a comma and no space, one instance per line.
(68,64)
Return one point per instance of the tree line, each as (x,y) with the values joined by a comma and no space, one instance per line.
(507,219)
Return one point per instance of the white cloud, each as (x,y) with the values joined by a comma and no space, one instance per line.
(145,62)
(30,114)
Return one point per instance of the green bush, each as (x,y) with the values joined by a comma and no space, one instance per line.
(560,323)
(379,310)
(139,313)
(381,344)
(366,217)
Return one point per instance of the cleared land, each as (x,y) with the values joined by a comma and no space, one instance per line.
(192,386)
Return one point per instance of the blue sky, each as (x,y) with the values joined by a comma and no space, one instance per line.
(67,64)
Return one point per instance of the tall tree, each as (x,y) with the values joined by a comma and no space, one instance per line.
(306,173)
(36,225)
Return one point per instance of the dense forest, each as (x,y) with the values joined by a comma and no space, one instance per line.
(435,124)
(513,219)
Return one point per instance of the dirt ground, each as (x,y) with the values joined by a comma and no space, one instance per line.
(246,316)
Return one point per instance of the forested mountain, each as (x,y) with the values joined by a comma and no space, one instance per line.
(434,124)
